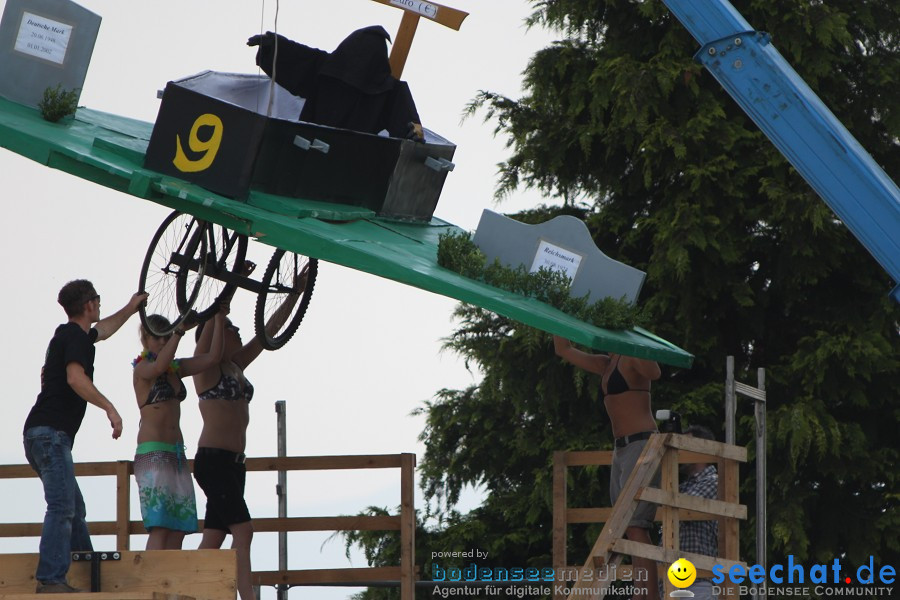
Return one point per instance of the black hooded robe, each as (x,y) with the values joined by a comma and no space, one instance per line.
(351,88)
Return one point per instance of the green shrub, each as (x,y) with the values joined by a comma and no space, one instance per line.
(457,252)
(58,103)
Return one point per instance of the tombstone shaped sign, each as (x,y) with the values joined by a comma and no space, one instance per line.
(561,244)
(44,44)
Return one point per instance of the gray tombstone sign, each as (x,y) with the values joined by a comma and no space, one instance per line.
(562,244)
(44,43)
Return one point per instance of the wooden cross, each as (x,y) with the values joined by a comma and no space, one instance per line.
(413,10)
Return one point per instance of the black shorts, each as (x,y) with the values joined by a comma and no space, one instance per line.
(221,475)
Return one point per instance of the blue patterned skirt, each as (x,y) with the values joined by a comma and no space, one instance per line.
(166,487)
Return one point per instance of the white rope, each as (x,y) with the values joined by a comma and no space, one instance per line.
(274,63)
(262,23)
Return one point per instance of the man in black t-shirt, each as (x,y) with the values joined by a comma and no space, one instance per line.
(66,389)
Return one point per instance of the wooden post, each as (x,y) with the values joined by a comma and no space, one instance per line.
(728,490)
(407,526)
(670,522)
(730,401)
(413,10)
(123,505)
(601,554)
(759,411)
(560,522)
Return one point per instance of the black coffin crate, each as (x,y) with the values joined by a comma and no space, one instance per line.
(240,132)
(387,175)
(283,156)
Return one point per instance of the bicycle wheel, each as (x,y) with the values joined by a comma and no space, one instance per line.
(278,289)
(173,270)
(225,253)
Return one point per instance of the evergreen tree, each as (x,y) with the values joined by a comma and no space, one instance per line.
(742,258)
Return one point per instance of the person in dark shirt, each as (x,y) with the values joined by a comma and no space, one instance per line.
(351,88)
(66,389)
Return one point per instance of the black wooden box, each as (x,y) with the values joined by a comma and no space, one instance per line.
(212,131)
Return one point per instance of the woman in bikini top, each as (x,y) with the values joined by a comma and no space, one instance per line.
(229,387)
(624,384)
(225,396)
(157,379)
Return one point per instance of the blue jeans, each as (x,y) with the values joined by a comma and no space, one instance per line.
(49,452)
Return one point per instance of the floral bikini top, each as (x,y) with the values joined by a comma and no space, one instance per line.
(162,391)
(229,388)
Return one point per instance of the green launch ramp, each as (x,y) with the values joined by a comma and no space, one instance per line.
(109,150)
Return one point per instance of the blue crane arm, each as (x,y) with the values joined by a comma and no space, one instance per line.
(803,129)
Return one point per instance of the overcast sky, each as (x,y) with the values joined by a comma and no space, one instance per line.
(368,352)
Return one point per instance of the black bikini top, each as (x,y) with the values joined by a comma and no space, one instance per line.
(229,388)
(616,383)
(162,391)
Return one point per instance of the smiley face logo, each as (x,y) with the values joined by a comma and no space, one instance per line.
(682,573)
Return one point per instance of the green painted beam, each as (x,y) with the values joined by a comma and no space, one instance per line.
(109,150)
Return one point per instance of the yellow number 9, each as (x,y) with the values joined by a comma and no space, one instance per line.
(210,147)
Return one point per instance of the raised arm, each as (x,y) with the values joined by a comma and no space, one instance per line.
(111,324)
(254,348)
(213,355)
(151,369)
(594,363)
(645,368)
(85,388)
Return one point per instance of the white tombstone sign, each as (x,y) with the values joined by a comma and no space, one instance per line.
(44,43)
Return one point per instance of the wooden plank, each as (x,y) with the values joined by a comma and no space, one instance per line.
(16,472)
(560,516)
(601,515)
(729,532)
(695,503)
(123,505)
(640,477)
(104,596)
(290,463)
(350,523)
(585,458)
(749,391)
(208,574)
(588,515)
(11,530)
(591,458)
(445,15)
(403,43)
(323,463)
(700,561)
(709,447)
(94,469)
(671,525)
(669,489)
(408,528)
(729,488)
(354,523)
(320,576)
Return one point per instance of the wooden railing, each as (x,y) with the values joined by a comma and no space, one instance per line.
(123,527)
(668,451)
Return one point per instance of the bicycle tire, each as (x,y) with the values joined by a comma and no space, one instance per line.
(225,250)
(277,283)
(166,272)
